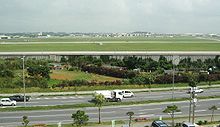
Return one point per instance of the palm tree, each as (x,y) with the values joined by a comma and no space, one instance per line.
(130,114)
(99,101)
(213,108)
(171,110)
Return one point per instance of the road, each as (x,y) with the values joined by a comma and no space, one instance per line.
(107,113)
(140,96)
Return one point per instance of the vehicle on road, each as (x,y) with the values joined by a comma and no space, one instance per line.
(7,102)
(19,98)
(158,123)
(111,95)
(127,93)
(195,90)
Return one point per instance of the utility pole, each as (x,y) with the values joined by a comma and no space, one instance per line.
(24,82)
(194,105)
(190,107)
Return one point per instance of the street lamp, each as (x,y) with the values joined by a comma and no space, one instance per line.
(24,82)
(173,80)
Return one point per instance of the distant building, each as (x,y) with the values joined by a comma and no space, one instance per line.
(4,37)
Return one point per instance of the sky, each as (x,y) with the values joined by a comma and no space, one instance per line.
(158,16)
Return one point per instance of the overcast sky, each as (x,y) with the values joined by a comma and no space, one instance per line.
(161,16)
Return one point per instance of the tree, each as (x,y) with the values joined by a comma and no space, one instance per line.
(80,118)
(171,110)
(151,78)
(193,80)
(213,108)
(6,73)
(130,114)
(39,71)
(25,121)
(99,101)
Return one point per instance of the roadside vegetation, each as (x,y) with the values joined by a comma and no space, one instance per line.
(82,73)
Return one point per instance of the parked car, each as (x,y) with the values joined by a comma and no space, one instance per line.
(7,102)
(186,124)
(19,98)
(195,89)
(127,93)
(158,123)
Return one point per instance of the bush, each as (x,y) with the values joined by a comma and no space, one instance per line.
(88,83)
(114,72)
(37,82)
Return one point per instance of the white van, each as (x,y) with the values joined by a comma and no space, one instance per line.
(127,93)
(7,102)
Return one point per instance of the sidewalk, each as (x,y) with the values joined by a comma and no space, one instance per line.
(91,92)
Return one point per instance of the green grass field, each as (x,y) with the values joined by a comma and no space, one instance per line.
(154,46)
(73,75)
(110,44)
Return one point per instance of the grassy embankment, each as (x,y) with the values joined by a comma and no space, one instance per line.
(59,75)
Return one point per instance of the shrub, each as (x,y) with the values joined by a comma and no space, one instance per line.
(114,72)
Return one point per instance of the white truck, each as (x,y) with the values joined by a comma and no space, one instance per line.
(111,95)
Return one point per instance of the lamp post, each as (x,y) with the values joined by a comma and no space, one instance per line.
(173,80)
(24,82)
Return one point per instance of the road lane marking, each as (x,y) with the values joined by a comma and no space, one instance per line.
(150,109)
(152,97)
(148,115)
(126,108)
(200,110)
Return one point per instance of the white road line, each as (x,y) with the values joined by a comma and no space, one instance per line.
(150,109)
(126,108)
(153,97)
(200,110)
(102,112)
(175,113)
(148,115)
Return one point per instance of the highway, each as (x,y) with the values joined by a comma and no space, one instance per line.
(139,96)
(107,113)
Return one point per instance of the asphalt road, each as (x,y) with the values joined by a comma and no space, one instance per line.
(140,96)
(107,113)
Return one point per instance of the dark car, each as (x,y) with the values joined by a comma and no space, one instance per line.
(19,98)
(158,123)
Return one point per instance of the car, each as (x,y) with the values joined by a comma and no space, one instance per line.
(19,98)
(195,89)
(7,102)
(187,124)
(127,93)
(158,123)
